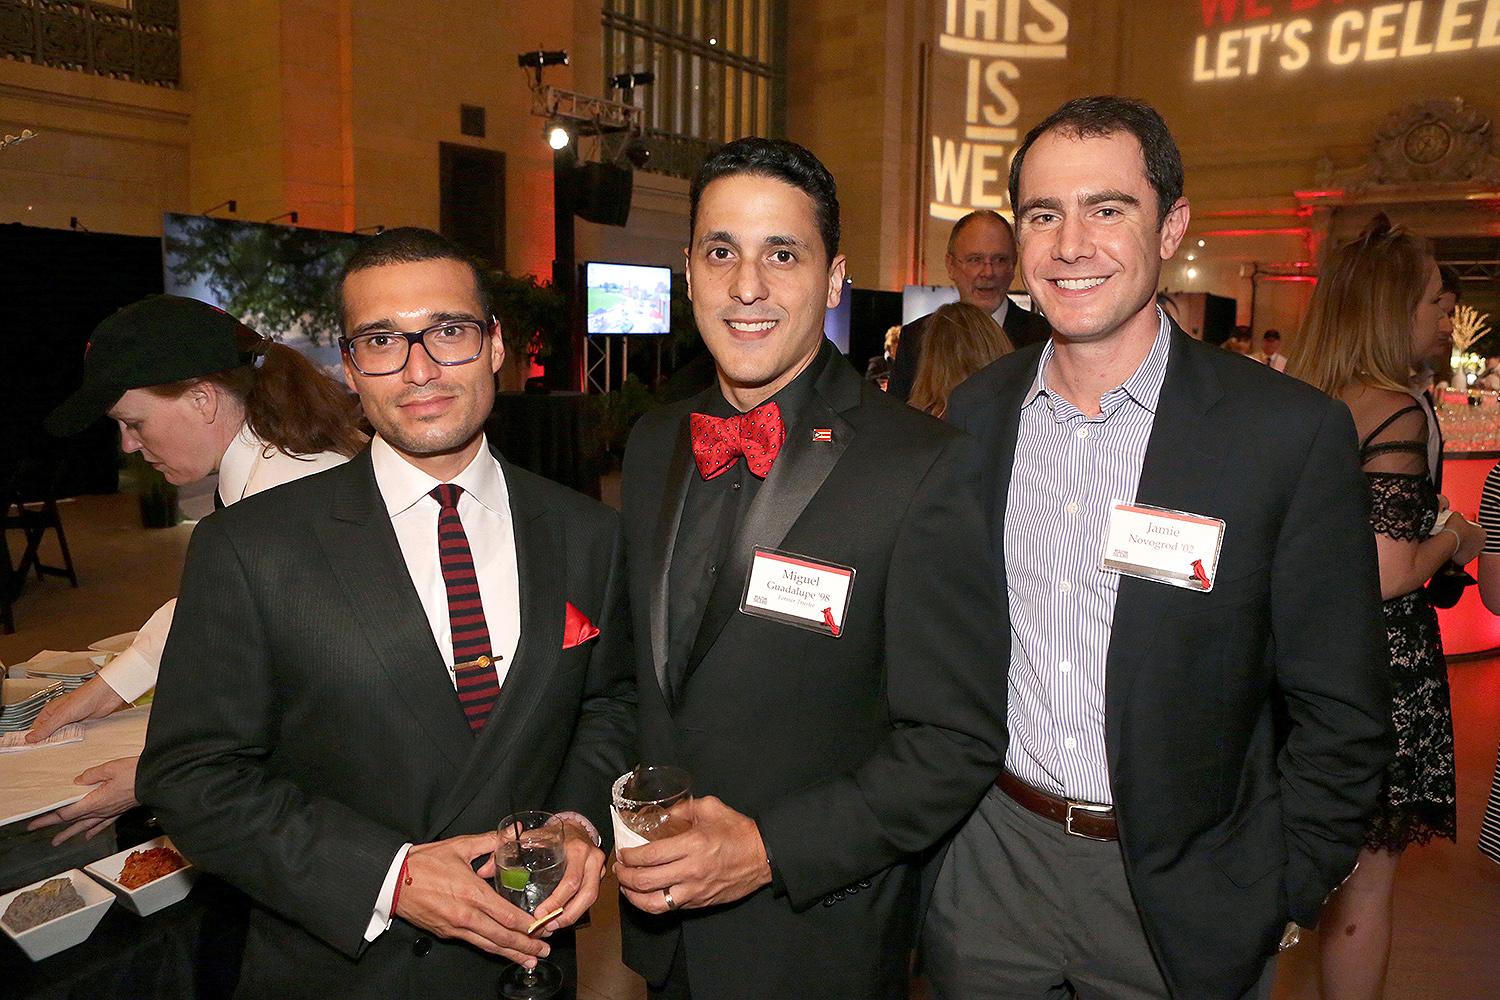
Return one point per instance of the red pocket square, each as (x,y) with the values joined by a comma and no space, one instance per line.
(577,628)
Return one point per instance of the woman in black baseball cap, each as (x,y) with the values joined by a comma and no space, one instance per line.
(185,381)
(195,391)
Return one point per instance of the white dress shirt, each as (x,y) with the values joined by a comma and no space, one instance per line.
(1069,469)
(999,314)
(247,466)
(484,509)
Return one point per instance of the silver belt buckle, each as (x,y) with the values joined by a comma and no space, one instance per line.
(1083,807)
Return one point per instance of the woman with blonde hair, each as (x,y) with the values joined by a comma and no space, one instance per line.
(1374,315)
(957,341)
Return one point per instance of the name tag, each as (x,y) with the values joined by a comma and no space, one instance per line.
(1167,546)
(798,591)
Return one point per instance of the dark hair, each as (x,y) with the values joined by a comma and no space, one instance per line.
(979,213)
(412,245)
(785,161)
(290,403)
(1098,117)
(1452,284)
(1270,333)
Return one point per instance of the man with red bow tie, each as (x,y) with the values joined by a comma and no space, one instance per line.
(817,622)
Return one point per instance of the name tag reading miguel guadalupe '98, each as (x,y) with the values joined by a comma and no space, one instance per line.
(1167,546)
(799,591)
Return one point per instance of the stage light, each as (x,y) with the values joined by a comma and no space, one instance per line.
(290,216)
(231,205)
(637,153)
(558,137)
(629,81)
(540,58)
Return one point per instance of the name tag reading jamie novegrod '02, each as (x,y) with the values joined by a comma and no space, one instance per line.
(1167,546)
(796,590)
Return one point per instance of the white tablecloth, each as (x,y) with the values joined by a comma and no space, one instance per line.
(36,781)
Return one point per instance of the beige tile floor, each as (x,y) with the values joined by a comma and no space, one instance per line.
(1447,908)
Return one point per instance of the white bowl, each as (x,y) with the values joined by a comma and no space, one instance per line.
(115,643)
(65,931)
(67,666)
(18,689)
(154,895)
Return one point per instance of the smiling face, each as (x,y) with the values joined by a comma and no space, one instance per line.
(982,262)
(1091,248)
(760,283)
(184,436)
(432,414)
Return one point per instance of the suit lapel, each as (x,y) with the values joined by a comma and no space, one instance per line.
(1182,471)
(366,562)
(1010,394)
(800,470)
(680,469)
(541,571)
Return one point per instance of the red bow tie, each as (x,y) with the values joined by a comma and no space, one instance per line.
(718,441)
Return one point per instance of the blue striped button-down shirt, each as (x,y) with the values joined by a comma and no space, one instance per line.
(1069,469)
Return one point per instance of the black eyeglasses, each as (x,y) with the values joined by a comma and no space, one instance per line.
(385,352)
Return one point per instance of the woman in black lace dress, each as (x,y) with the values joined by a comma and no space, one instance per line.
(1373,313)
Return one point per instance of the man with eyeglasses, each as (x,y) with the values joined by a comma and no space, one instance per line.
(981,261)
(369,670)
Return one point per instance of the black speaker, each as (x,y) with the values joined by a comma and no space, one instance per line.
(601,193)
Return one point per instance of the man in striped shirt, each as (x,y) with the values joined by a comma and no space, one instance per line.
(1154,829)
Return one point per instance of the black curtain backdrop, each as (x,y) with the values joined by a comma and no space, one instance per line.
(55,287)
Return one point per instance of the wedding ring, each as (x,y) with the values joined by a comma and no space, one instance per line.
(671,903)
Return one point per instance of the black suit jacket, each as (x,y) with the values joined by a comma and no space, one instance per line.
(852,753)
(305,725)
(1023,327)
(1226,832)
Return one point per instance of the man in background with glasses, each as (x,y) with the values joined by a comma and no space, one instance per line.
(982,262)
(349,702)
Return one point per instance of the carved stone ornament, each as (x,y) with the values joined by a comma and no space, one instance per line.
(1431,142)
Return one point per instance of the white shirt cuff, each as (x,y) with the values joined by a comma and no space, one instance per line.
(133,672)
(380,921)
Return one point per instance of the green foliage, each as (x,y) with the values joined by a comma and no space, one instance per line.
(620,409)
(530,312)
(280,279)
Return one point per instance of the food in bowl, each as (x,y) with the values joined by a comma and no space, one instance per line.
(48,901)
(149,865)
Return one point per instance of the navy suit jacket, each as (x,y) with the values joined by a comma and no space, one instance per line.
(1229,830)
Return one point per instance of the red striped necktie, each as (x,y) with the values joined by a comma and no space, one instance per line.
(474,671)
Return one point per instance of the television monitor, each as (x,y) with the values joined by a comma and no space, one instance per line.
(628,298)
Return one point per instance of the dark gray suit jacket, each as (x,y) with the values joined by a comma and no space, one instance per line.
(852,753)
(1024,329)
(1227,829)
(305,725)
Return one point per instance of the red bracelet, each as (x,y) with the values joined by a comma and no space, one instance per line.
(402,878)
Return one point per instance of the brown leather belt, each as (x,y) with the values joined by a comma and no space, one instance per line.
(1081,819)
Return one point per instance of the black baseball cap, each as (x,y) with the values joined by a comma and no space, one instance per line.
(156,341)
